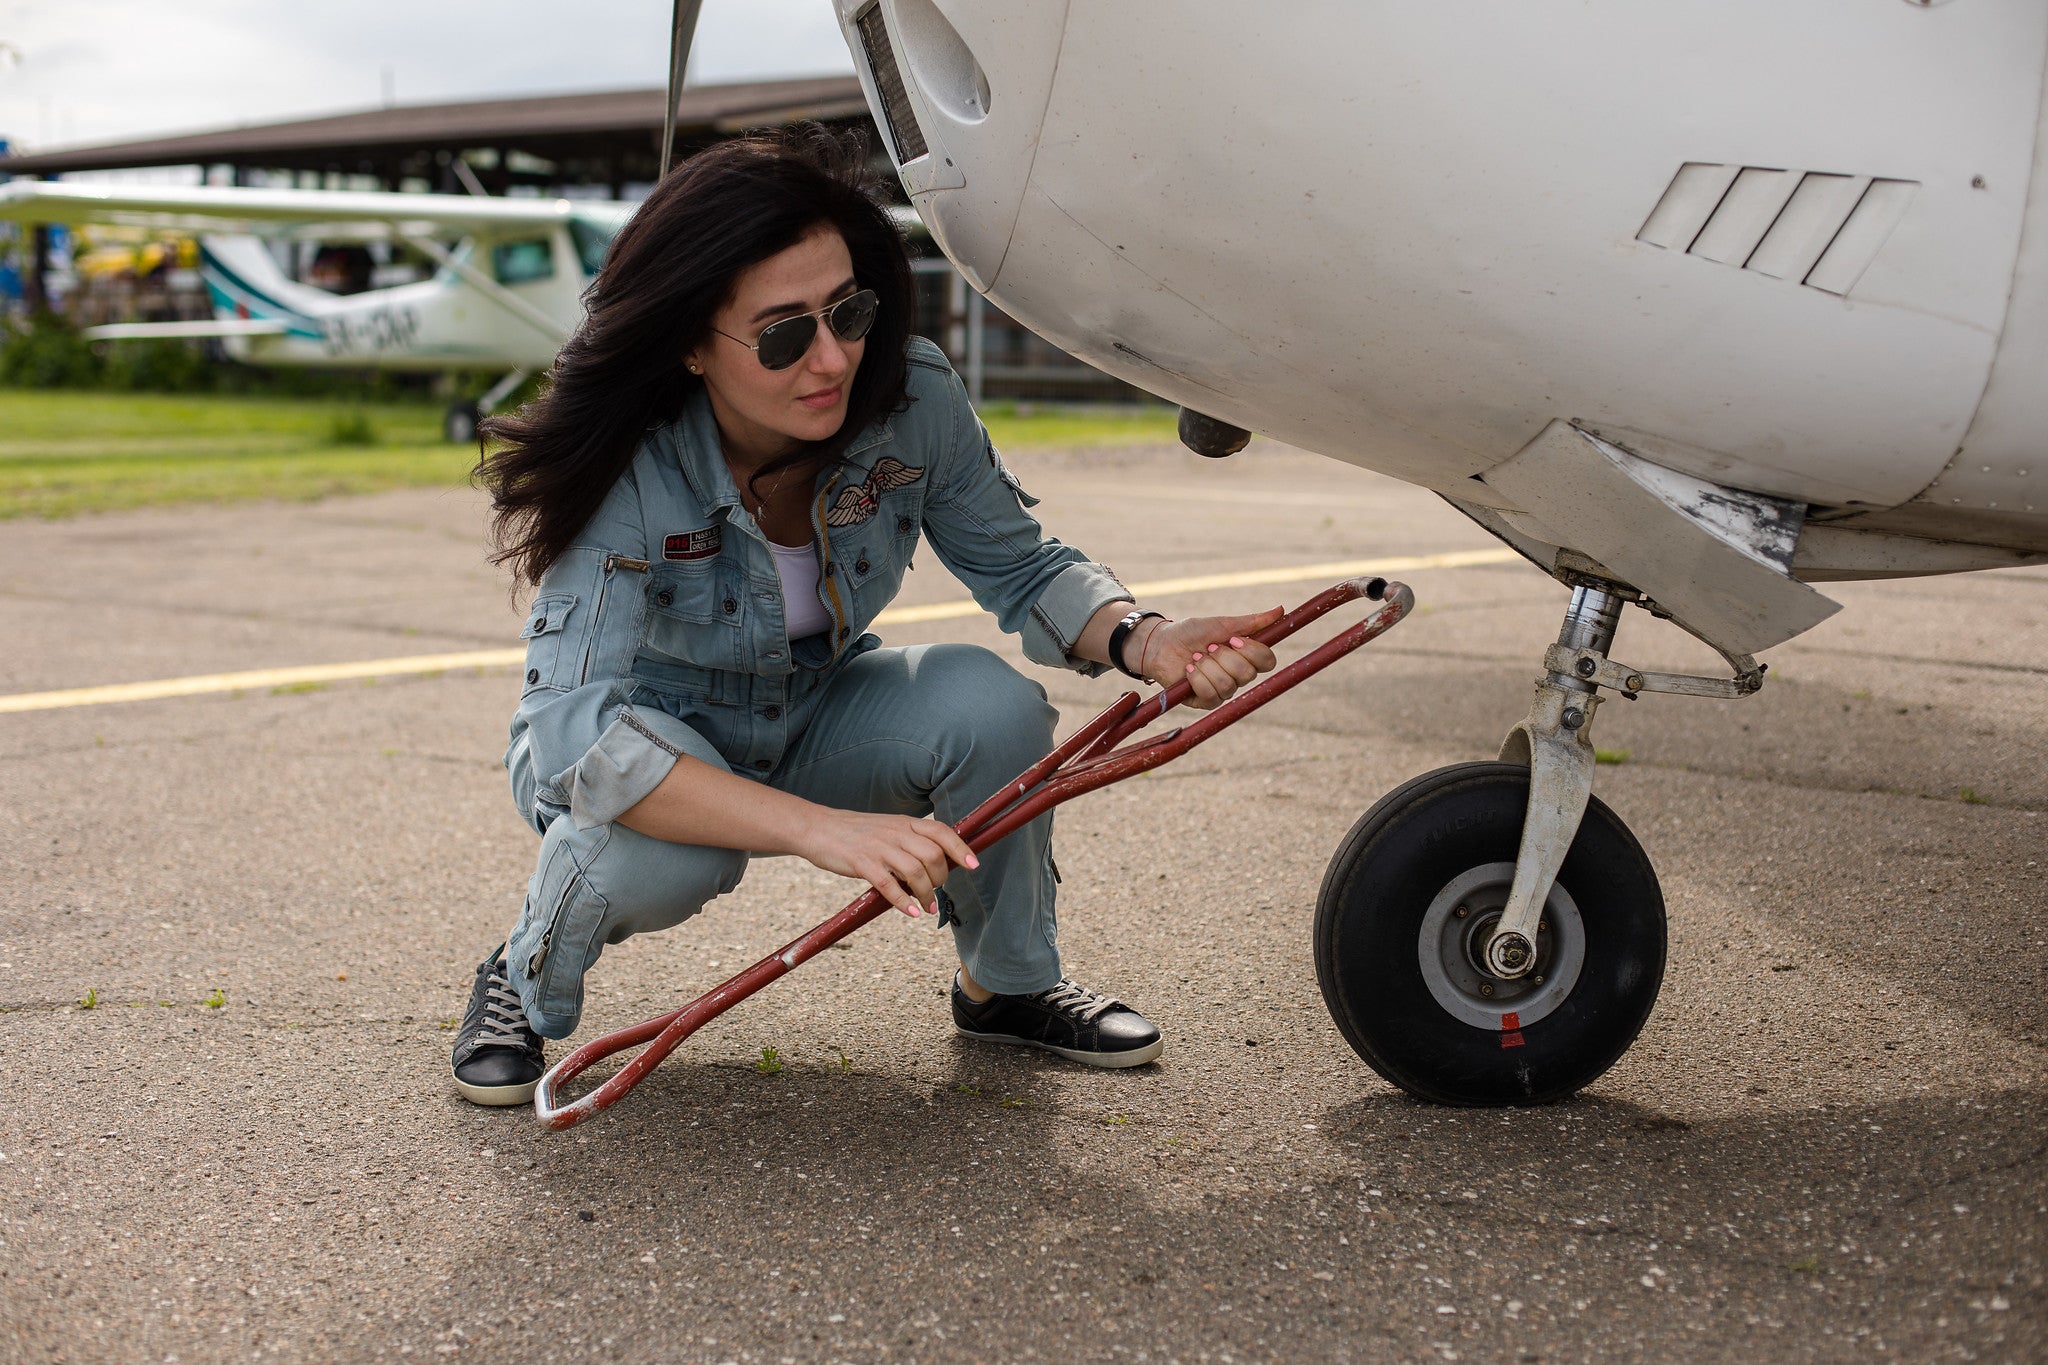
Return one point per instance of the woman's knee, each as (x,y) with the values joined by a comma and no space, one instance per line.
(972,691)
(600,886)
(649,884)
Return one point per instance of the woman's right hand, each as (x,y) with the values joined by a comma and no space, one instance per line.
(901,856)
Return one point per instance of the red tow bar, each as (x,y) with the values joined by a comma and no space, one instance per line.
(1089,759)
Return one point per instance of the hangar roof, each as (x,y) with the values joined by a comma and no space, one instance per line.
(604,126)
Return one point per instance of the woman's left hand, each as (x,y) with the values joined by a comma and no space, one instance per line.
(1215,654)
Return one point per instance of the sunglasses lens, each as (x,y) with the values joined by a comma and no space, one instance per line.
(853,315)
(782,344)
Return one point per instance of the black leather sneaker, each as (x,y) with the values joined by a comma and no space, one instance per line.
(497,1054)
(1071,1020)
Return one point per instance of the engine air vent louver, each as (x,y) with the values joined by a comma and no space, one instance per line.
(903,129)
(1819,229)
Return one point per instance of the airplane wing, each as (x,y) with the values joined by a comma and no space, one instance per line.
(217,209)
(186,331)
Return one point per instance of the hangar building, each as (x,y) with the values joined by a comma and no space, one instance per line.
(600,145)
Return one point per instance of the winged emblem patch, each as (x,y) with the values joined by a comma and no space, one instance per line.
(860,502)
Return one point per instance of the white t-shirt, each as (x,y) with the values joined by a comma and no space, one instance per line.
(797,567)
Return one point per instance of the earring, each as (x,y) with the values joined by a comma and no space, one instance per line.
(695,370)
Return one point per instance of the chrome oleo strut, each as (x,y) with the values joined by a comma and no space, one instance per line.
(1556,742)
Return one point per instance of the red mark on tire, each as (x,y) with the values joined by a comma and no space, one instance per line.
(1511,1030)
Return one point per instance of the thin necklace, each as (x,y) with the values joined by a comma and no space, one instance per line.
(761,506)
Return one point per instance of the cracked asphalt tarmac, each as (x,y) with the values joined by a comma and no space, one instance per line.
(235,931)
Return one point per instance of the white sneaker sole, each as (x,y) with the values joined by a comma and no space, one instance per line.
(1109,1061)
(498,1096)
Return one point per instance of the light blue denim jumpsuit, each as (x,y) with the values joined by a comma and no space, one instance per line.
(661,633)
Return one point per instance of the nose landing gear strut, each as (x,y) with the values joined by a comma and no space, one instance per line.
(1492,933)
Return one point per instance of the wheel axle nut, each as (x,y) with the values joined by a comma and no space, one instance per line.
(1510,953)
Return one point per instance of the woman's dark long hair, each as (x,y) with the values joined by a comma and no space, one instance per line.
(549,465)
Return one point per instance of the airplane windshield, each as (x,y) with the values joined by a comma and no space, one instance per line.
(591,239)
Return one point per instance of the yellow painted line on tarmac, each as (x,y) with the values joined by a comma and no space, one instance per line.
(412,665)
(258,678)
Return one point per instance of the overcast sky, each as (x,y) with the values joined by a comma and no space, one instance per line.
(84,71)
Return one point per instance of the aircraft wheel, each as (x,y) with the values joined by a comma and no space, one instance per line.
(458,424)
(1401,927)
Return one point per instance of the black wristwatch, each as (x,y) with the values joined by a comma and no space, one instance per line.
(1121,632)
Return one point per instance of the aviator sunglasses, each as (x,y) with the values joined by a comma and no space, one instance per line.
(781,344)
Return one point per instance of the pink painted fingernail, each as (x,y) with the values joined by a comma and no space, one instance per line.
(973,861)
(1236,643)
(1214,648)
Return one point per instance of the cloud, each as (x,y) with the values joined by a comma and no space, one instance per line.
(118,69)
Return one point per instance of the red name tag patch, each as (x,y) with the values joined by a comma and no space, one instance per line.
(691,544)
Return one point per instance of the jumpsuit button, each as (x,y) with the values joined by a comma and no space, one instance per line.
(763,764)
(540,624)
(860,565)
(533,675)
(664,598)
(831,567)
(903,526)
(731,606)
(771,713)
(842,632)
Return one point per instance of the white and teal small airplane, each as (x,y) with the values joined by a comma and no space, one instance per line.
(504,296)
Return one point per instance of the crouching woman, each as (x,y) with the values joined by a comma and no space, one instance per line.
(717,493)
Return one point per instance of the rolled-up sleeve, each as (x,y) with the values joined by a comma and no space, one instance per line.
(1038,589)
(576,743)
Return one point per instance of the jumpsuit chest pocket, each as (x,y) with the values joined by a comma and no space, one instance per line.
(902,519)
(870,566)
(873,554)
(551,657)
(697,613)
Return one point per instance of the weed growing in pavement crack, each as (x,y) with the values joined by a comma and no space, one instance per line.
(963,1088)
(770,1063)
(214,1001)
(844,1065)
(1118,1119)
(90,1000)
(1969,797)
(1013,1102)
(1614,756)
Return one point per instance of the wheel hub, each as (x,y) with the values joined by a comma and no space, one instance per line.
(1451,949)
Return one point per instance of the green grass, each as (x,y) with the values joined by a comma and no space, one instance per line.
(64,453)
(1017,428)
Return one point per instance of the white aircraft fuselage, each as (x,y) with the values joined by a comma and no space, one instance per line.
(1796,252)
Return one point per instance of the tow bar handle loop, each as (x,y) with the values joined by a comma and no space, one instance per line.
(1089,759)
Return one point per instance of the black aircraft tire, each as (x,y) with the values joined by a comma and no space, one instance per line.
(1387,887)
